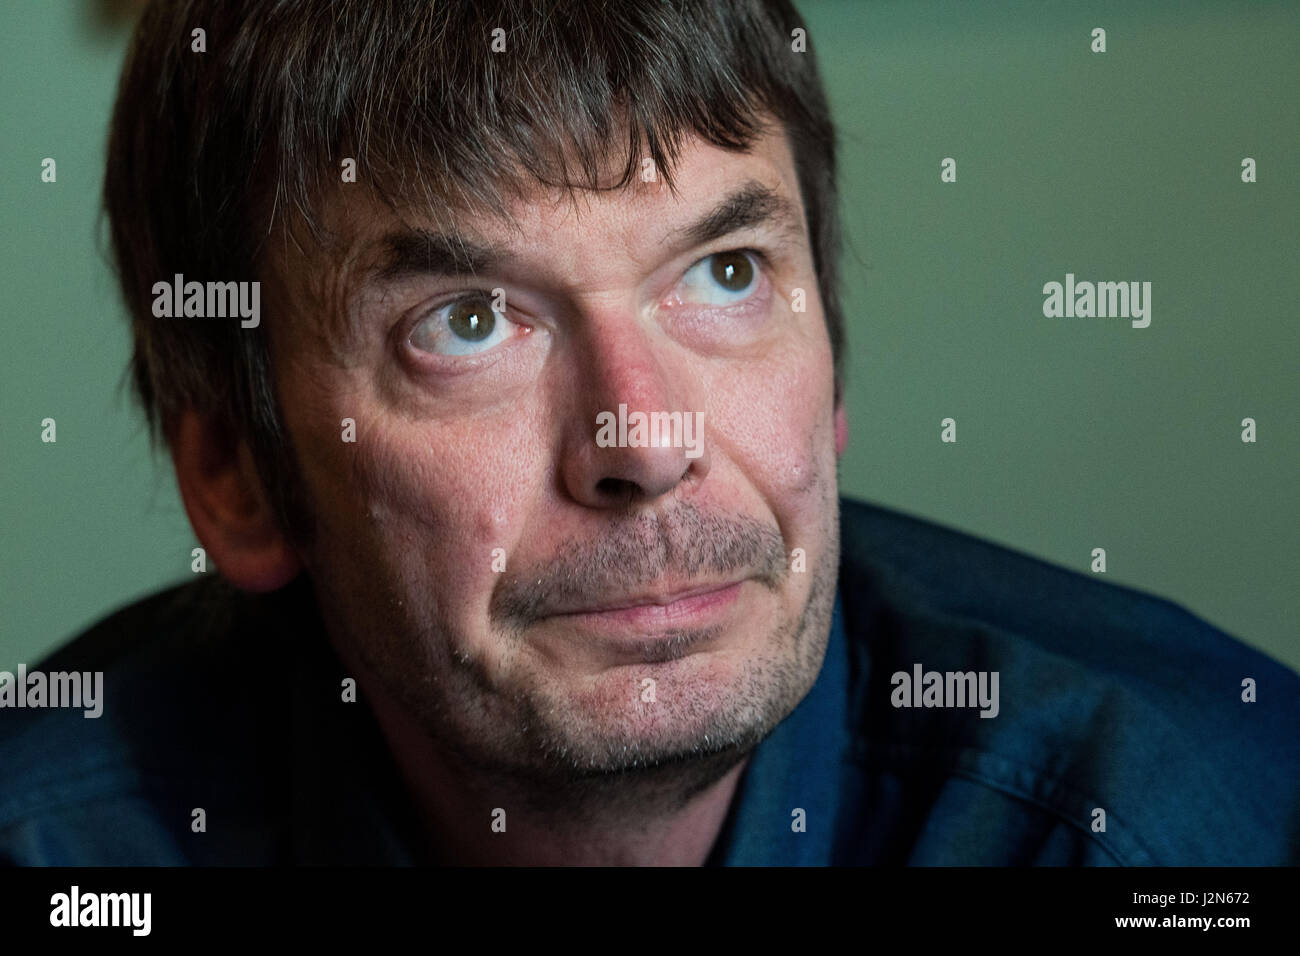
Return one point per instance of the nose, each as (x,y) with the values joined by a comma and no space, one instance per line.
(637,430)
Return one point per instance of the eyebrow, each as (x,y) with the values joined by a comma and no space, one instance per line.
(416,251)
(751,204)
(413,252)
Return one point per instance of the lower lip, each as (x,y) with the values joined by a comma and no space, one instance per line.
(697,610)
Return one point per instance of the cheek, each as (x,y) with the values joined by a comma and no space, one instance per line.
(424,504)
(775,421)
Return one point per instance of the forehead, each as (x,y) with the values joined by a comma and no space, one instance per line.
(648,210)
(546,233)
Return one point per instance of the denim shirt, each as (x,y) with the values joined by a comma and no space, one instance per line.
(1120,737)
(1109,700)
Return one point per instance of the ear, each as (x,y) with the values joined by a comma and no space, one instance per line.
(228,507)
(841,428)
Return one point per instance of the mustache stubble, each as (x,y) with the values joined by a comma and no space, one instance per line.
(635,552)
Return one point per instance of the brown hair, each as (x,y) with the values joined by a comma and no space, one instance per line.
(209,151)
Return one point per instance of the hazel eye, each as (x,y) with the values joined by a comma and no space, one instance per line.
(466,326)
(720,279)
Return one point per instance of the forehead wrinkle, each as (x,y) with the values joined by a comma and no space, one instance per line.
(326,296)
(759,198)
(312,273)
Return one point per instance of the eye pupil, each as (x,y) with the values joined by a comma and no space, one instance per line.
(733,271)
(471,320)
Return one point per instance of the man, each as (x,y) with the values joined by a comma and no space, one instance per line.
(517,468)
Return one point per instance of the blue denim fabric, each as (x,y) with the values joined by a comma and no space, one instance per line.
(1109,700)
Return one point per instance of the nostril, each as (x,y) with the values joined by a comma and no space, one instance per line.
(615,488)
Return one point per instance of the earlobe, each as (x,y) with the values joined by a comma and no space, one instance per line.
(228,507)
(841,429)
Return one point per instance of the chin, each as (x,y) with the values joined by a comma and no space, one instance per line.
(642,716)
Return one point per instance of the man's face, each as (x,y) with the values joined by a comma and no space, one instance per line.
(542,602)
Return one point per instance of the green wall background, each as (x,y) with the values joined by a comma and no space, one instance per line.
(1072,433)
